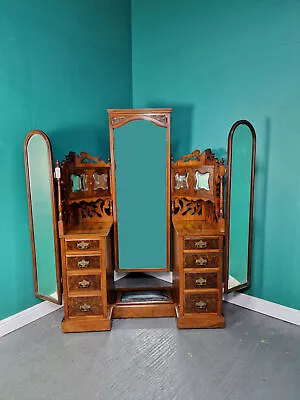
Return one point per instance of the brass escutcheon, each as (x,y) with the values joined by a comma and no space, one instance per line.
(201,244)
(201,261)
(85,307)
(83,263)
(201,304)
(201,281)
(83,245)
(84,283)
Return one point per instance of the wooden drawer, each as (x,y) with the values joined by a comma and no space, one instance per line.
(83,245)
(81,306)
(201,280)
(83,262)
(201,303)
(84,282)
(201,243)
(201,260)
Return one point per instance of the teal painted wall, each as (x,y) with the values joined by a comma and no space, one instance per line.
(62,64)
(216,62)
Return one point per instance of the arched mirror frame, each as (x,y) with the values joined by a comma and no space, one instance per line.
(161,118)
(54,219)
(228,194)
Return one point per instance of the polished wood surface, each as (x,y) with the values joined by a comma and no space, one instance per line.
(198,238)
(203,280)
(161,118)
(54,219)
(84,283)
(85,233)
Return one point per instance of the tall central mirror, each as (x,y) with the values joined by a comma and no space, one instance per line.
(140,181)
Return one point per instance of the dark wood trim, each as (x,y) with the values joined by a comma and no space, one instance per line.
(228,190)
(54,219)
(161,118)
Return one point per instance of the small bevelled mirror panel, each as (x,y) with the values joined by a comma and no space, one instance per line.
(181,181)
(201,181)
(100,181)
(78,183)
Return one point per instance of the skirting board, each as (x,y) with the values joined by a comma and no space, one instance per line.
(274,310)
(27,316)
(264,307)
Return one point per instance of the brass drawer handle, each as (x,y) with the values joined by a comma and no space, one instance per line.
(85,307)
(83,245)
(201,281)
(83,263)
(84,283)
(201,244)
(202,305)
(201,261)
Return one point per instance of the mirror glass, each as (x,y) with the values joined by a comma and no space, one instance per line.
(181,181)
(78,183)
(39,176)
(100,181)
(240,207)
(202,181)
(140,149)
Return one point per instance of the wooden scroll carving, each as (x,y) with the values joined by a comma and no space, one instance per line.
(83,190)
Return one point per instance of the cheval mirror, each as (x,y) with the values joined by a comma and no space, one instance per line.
(42,217)
(140,181)
(239,209)
(140,156)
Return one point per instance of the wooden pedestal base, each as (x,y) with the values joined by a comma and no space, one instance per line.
(144,310)
(87,324)
(200,321)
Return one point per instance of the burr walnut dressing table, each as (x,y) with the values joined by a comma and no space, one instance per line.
(145,216)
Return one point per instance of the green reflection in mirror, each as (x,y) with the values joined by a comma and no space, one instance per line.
(78,183)
(240,191)
(202,181)
(39,177)
(140,154)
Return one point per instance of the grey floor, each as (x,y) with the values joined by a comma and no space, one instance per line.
(255,357)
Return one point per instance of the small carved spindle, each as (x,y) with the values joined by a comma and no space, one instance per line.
(222,173)
(60,210)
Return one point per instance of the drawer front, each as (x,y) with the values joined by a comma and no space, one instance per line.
(201,281)
(201,260)
(81,306)
(203,243)
(82,245)
(83,262)
(201,303)
(84,282)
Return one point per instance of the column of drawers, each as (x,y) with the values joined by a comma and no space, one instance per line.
(202,263)
(201,281)
(84,281)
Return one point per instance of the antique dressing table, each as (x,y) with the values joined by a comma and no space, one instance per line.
(141,235)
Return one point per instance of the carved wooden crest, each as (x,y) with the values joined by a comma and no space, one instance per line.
(197,186)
